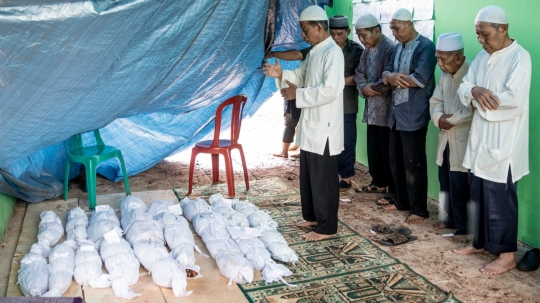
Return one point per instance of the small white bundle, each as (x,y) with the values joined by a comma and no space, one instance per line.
(232,217)
(245,207)
(169,274)
(278,247)
(274,272)
(88,267)
(204,220)
(217,246)
(180,240)
(61,266)
(235,267)
(121,263)
(103,220)
(261,220)
(144,230)
(50,228)
(40,249)
(76,225)
(133,215)
(149,251)
(158,207)
(255,252)
(132,202)
(191,208)
(33,276)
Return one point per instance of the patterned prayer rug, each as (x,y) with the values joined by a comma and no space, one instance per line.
(345,268)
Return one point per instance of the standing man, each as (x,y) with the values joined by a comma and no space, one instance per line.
(378,98)
(317,85)
(497,86)
(291,113)
(454,121)
(352,50)
(410,73)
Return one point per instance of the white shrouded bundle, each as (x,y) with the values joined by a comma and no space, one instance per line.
(204,220)
(103,220)
(168,273)
(61,266)
(88,267)
(76,225)
(235,267)
(50,228)
(149,251)
(245,207)
(33,278)
(261,220)
(121,263)
(232,217)
(255,252)
(277,246)
(191,208)
(132,209)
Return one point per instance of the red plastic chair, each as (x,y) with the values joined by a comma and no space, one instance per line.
(218,147)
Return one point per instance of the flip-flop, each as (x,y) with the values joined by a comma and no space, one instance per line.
(280,156)
(389,201)
(396,239)
(386,229)
(371,189)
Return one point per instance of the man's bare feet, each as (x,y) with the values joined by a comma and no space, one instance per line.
(390,207)
(281,155)
(414,219)
(458,239)
(313,236)
(439,225)
(469,249)
(305,223)
(504,263)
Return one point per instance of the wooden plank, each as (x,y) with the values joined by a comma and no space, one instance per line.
(31,221)
(9,244)
(211,287)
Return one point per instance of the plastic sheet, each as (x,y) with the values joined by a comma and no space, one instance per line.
(149,74)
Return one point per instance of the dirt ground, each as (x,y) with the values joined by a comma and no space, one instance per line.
(431,255)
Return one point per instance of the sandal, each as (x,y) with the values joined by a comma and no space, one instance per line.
(385,201)
(280,156)
(386,229)
(344,186)
(371,189)
(396,239)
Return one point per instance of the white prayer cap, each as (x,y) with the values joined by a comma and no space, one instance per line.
(449,42)
(366,21)
(313,13)
(492,14)
(402,14)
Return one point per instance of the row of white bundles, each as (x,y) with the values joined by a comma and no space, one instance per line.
(61,267)
(211,227)
(87,260)
(272,239)
(120,262)
(146,237)
(178,235)
(33,275)
(253,249)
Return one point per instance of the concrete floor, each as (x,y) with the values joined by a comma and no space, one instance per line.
(431,255)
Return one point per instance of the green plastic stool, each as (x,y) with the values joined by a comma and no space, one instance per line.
(90,157)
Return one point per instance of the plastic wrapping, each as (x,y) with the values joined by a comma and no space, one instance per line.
(33,276)
(103,220)
(76,225)
(204,220)
(255,252)
(245,207)
(191,208)
(278,247)
(132,202)
(261,220)
(167,63)
(235,267)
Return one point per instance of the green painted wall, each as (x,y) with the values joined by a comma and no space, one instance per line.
(6,208)
(458,16)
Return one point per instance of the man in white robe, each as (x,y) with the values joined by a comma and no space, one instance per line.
(454,121)
(317,85)
(497,86)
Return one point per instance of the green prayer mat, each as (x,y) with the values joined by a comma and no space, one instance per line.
(344,268)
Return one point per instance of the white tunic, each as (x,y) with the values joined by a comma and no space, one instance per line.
(320,84)
(445,100)
(499,138)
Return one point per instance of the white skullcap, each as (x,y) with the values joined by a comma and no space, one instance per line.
(366,21)
(449,42)
(492,14)
(402,14)
(313,13)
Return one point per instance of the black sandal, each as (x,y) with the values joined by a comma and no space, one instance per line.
(371,189)
(396,239)
(387,229)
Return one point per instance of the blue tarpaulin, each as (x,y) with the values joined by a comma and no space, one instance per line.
(148,74)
